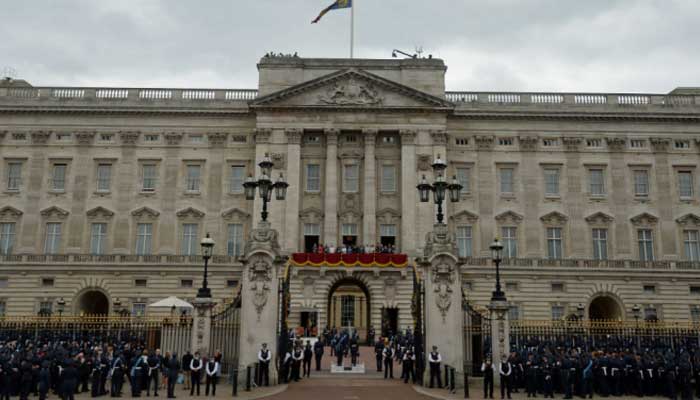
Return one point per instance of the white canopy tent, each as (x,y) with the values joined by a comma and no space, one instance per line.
(171,302)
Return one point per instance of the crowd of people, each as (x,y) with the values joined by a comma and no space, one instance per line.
(610,366)
(352,249)
(63,366)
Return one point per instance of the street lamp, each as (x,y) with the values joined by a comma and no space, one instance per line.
(580,311)
(636,312)
(265,185)
(207,246)
(439,188)
(496,255)
(60,306)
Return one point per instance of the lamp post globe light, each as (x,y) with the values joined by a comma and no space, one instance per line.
(439,188)
(60,307)
(496,256)
(207,244)
(265,185)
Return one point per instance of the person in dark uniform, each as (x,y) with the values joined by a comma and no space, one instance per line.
(154,365)
(117,373)
(616,368)
(286,366)
(587,378)
(95,378)
(104,370)
(567,380)
(212,372)
(505,372)
(308,355)
(670,377)
(339,351)
(44,380)
(388,357)
(684,375)
(487,369)
(25,380)
(546,369)
(434,359)
(378,349)
(354,352)
(264,357)
(84,370)
(318,353)
(69,376)
(297,357)
(601,370)
(196,373)
(173,370)
(531,369)
(409,359)
(186,361)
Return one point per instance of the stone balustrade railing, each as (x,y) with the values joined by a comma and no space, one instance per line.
(115,95)
(583,263)
(574,99)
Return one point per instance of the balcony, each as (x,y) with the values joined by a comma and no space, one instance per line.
(355,260)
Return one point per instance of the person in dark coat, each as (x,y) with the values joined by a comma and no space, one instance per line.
(4,380)
(84,369)
(308,355)
(25,380)
(318,353)
(196,366)
(96,377)
(44,379)
(173,370)
(378,349)
(186,360)
(117,373)
(69,376)
(154,365)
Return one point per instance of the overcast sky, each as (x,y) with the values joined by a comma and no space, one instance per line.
(517,45)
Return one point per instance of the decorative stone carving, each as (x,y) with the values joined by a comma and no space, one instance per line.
(263,237)
(644,219)
(331,136)
(217,138)
(571,143)
(351,154)
(54,212)
(424,162)
(351,92)
(280,160)
(308,288)
(554,218)
(40,137)
(190,212)
(129,138)
(173,138)
(370,137)
(616,143)
(528,143)
(99,212)
(84,138)
(439,137)
(660,144)
(443,277)
(464,216)
(9,212)
(260,276)
(294,135)
(440,240)
(509,217)
(484,142)
(311,215)
(145,212)
(599,218)
(390,290)
(263,135)
(388,216)
(235,214)
(686,220)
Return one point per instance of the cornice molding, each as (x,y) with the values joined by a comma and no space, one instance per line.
(173,138)
(85,138)
(217,138)
(294,135)
(129,138)
(528,143)
(40,137)
(439,137)
(262,135)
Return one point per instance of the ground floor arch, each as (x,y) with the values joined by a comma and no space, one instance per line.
(349,305)
(92,302)
(605,307)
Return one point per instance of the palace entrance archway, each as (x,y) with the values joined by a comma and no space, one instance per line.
(92,302)
(605,308)
(349,306)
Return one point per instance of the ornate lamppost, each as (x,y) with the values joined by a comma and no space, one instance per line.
(636,313)
(60,307)
(265,185)
(496,256)
(439,187)
(207,244)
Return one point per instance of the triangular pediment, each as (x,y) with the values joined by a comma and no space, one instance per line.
(54,211)
(351,88)
(100,212)
(644,219)
(465,216)
(689,220)
(509,217)
(10,212)
(190,212)
(599,218)
(234,213)
(145,212)
(554,218)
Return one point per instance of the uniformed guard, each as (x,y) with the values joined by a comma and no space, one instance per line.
(286,367)
(409,359)
(196,373)
(487,369)
(318,353)
(264,357)
(546,368)
(388,357)
(378,349)
(434,360)
(354,352)
(297,356)
(154,365)
(96,377)
(117,375)
(505,371)
(531,368)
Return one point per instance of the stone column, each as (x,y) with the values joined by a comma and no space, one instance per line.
(330,200)
(500,335)
(292,204)
(263,265)
(369,189)
(444,317)
(409,201)
(201,325)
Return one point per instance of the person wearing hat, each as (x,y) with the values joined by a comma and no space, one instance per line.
(44,379)
(264,357)
(487,369)
(318,353)
(434,358)
(505,371)
(195,373)
(69,375)
(117,374)
(388,356)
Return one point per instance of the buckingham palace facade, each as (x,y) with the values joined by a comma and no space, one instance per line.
(106,192)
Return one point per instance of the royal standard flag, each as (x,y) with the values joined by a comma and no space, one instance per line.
(337,4)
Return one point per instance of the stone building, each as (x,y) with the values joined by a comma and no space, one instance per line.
(106,192)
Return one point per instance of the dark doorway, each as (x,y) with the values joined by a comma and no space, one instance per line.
(93,302)
(349,306)
(310,242)
(390,321)
(350,240)
(604,308)
(388,240)
(309,322)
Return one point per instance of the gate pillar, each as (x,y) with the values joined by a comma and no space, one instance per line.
(500,335)
(201,325)
(263,265)
(444,318)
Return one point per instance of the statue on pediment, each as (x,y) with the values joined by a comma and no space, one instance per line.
(351,93)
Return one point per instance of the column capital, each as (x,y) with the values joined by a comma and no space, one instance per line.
(331,136)
(262,135)
(439,137)
(408,136)
(294,135)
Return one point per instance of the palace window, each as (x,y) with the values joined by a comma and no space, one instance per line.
(3,283)
(388,139)
(234,244)
(144,237)
(106,137)
(7,237)
(695,314)
(641,183)
(462,141)
(388,178)
(464,241)
(45,307)
(14,176)
(464,179)
(98,237)
(597,182)
(151,138)
(138,309)
(507,184)
(351,178)
(47,282)
(554,243)
(186,283)
(511,286)
(313,177)
(196,139)
(349,232)
(387,234)
(510,241)
(63,137)
(58,177)
(645,241)
(557,287)
(237,179)
(312,139)
(140,282)
(551,182)
(649,289)
(194,172)
(685,184)
(695,290)
(557,313)
(190,242)
(52,242)
(104,177)
(600,244)
(149,177)
(231,283)
(3,308)
(347,310)
(691,243)
(650,313)
(312,236)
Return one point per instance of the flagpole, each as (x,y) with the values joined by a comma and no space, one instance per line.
(352,28)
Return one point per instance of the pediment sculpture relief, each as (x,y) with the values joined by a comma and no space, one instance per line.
(351,92)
